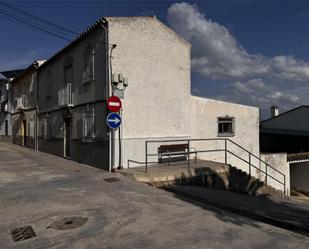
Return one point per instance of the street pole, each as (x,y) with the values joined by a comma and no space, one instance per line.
(112,132)
(120,142)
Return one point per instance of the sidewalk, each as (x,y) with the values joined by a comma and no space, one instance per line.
(287,214)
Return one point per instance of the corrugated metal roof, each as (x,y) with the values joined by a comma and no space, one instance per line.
(33,66)
(284,113)
(298,157)
(12,73)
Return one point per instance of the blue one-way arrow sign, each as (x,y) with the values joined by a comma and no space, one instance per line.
(113,120)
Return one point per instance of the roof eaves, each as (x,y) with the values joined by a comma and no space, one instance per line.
(32,67)
(82,35)
(281,114)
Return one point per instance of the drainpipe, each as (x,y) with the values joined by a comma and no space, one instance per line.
(36,129)
(109,92)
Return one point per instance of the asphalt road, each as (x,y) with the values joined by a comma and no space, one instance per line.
(38,189)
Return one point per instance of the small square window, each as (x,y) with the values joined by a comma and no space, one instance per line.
(226,127)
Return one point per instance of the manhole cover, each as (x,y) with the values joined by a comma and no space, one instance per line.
(23,233)
(68,223)
(112,179)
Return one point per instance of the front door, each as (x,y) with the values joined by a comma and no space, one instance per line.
(24,133)
(67,137)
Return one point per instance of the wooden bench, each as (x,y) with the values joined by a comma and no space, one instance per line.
(174,152)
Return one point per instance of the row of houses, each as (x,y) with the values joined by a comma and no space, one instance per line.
(59,105)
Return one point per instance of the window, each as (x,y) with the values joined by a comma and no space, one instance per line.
(89,126)
(46,128)
(6,128)
(68,74)
(32,82)
(226,126)
(48,93)
(31,129)
(88,65)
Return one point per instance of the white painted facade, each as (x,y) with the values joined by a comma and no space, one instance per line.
(158,102)
(280,162)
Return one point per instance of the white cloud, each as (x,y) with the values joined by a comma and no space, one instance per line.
(216,54)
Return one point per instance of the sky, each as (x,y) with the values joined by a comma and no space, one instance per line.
(243,51)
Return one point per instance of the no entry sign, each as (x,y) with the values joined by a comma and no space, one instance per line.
(114,104)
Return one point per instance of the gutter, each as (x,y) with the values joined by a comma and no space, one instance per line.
(108,91)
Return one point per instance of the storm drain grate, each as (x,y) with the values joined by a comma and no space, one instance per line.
(67,223)
(112,179)
(23,233)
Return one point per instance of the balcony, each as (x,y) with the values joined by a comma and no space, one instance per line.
(4,107)
(3,98)
(21,102)
(65,96)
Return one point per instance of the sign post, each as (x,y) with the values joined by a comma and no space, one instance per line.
(113,119)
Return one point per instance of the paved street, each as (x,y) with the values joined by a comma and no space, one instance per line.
(290,214)
(38,189)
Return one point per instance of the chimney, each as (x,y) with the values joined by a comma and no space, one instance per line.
(274,111)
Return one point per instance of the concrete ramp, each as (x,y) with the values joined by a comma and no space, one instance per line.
(176,172)
(206,173)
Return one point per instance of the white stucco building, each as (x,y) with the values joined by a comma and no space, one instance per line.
(158,103)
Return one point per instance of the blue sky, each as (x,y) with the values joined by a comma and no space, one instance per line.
(249,52)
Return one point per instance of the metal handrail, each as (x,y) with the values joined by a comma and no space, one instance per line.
(268,165)
(226,151)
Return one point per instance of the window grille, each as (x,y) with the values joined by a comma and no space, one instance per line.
(89,126)
(6,128)
(32,83)
(226,126)
(88,67)
(46,129)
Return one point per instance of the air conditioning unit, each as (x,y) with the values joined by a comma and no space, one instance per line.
(65,96)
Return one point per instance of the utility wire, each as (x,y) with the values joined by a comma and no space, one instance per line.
(26,23)
(42,24)
(30,25)
(66,30)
